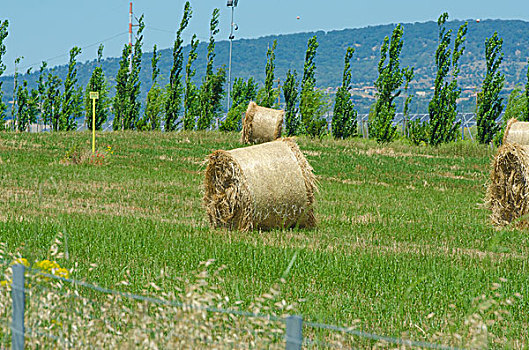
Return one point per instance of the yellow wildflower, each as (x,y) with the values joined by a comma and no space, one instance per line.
(53,268)
(61,272)
(20,261)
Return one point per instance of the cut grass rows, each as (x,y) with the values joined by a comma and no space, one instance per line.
(403,245)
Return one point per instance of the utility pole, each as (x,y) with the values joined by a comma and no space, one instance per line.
(233,26)
(130,37)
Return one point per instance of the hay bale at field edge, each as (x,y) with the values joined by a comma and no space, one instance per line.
(261,124)
(508,190)
(265,186)
(516,132)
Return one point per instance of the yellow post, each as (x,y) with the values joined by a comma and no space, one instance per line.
(94,96)
(93,126)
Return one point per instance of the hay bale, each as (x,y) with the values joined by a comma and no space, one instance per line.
(263,186)
(508,191)
(516,132)
(261,124)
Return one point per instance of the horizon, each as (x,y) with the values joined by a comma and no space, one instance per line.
(51,29)
(22,70)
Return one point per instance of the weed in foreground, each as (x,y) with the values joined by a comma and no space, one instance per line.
(79,155)
(60,313)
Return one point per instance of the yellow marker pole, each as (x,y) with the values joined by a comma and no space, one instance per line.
(93,126)
(94,95)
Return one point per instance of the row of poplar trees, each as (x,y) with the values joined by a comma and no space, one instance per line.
(183,105)
(59,104)
(442,109)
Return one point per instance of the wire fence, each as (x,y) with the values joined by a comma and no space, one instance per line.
(466,121)
(45,310)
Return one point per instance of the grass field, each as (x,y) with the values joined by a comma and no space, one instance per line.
(403,245)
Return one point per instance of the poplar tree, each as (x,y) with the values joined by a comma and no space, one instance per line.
(516,108)
(52,102)
(388,83)
(120,99)
(243,93)
(443,106)
(97,84)
(267,97)
(175,87)
(527,94)
(344,122)
(212,90)
(33,106)
(191,92)
(72,98)
(126,106)
(133,83)
(3,34)
(41,88)
(408,76)
(23,107)
(155,103)
(490,104)
(312,105)
(290,93)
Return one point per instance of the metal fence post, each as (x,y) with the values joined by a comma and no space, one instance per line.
(19,301)
(294,336)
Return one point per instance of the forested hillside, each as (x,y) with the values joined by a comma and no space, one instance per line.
(420,42)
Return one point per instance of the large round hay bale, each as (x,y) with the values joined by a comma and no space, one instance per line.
(516,132)
(508,191)
(261,124)
(265,186)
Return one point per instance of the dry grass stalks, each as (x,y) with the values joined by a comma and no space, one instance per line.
(261,124)
(264,186)
(485,323)
(508,190)
(61,314)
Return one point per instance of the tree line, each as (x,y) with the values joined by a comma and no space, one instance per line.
(181,104)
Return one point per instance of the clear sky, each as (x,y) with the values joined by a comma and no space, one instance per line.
(47,29)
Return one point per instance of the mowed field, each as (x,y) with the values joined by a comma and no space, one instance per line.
(403,246)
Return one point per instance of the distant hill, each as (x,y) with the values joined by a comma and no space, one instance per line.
(420,43)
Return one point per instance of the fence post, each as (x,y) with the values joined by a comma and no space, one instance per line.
(19,301)
(294,336)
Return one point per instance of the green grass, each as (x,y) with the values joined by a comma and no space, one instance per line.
(403,245)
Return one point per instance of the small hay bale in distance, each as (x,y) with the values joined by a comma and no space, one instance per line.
(516,132)
(261,124)
(508,191)
(264,186)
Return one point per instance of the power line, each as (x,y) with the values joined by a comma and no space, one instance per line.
(97,43)
(174,32)
(66,55)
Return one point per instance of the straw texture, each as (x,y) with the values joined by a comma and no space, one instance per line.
(516,132)
(261,124)
(508,191)
(260,187)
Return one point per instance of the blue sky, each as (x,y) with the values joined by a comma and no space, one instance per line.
(47,29)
